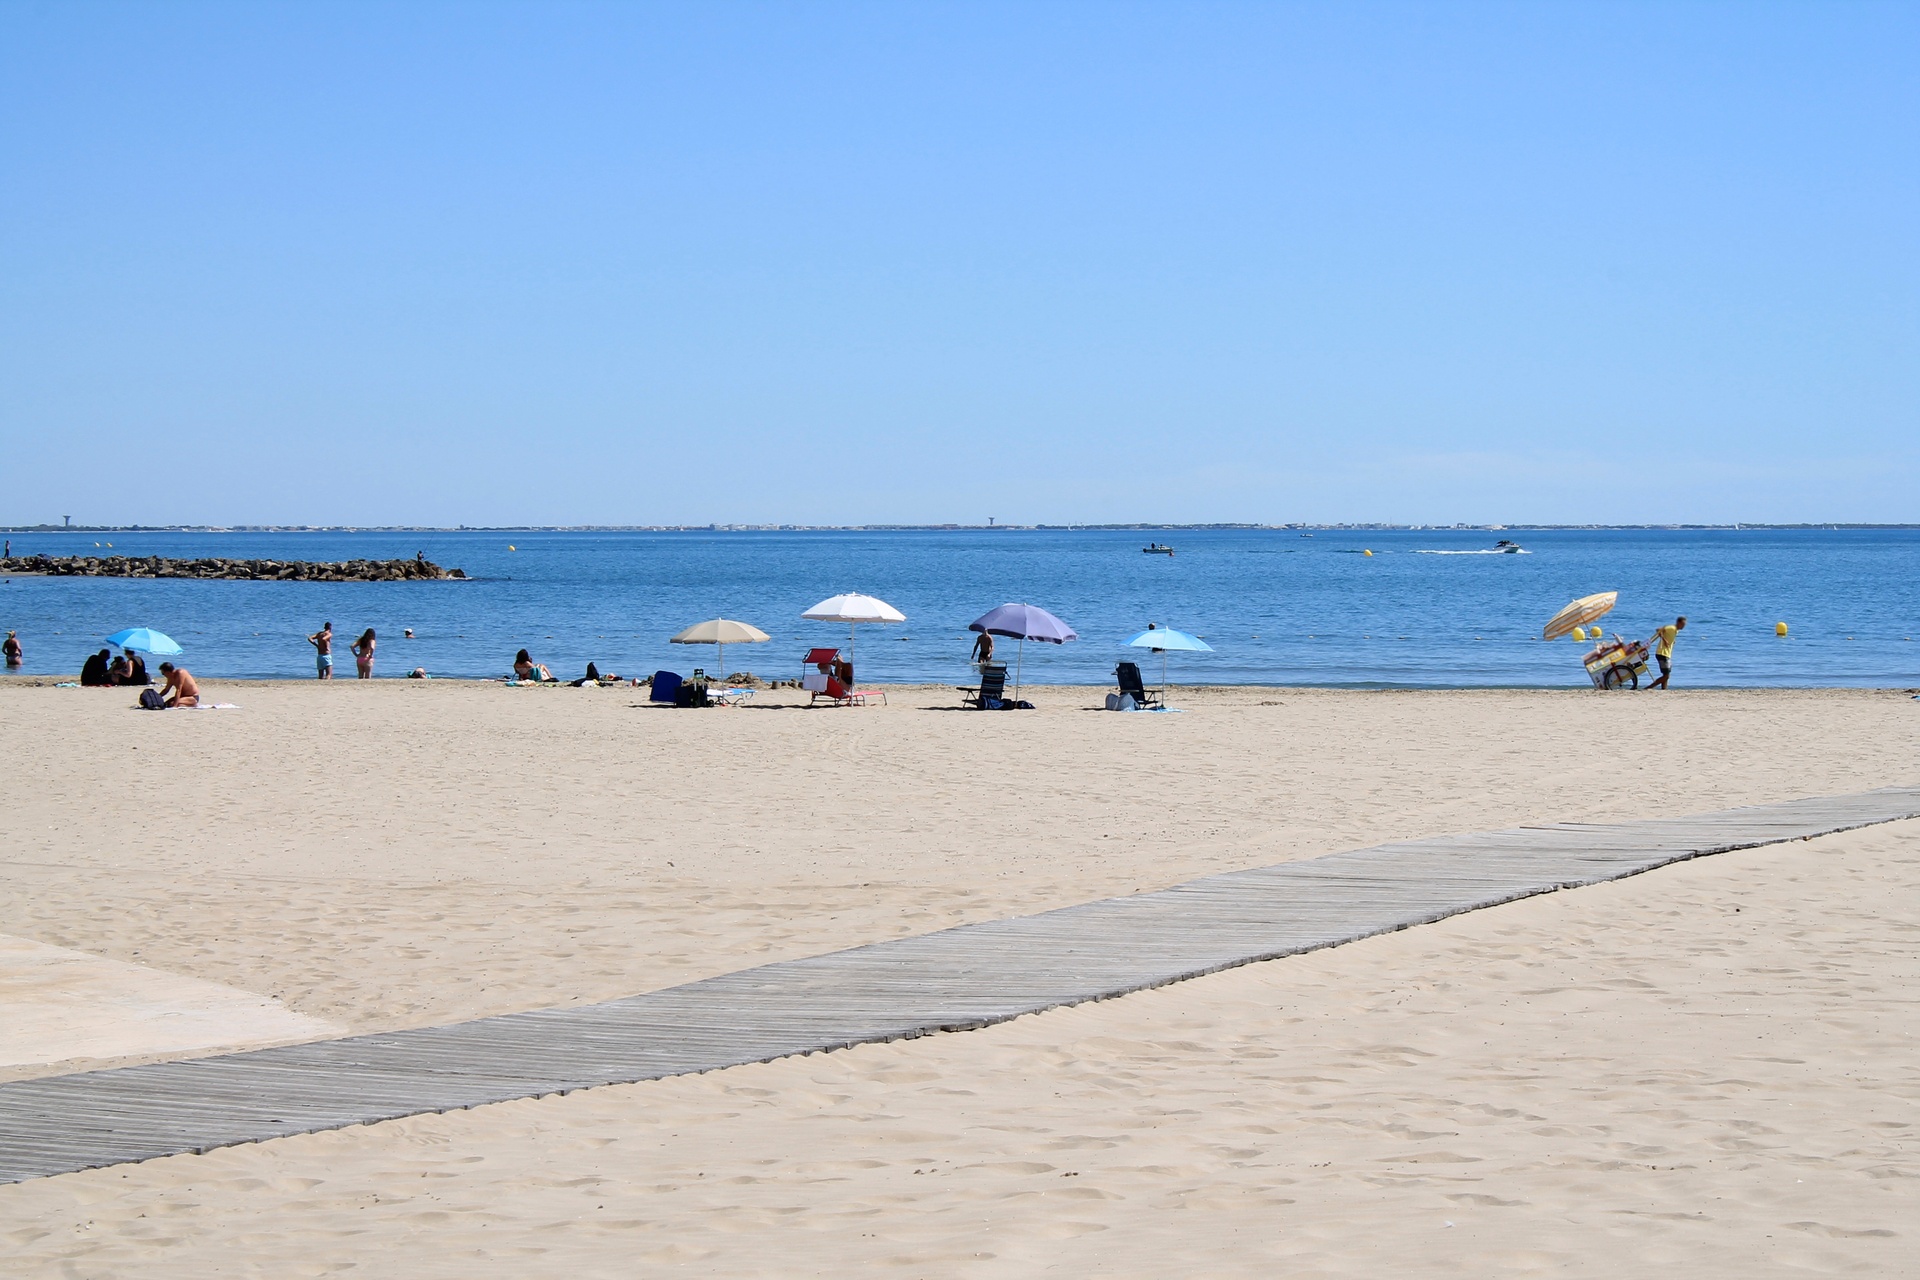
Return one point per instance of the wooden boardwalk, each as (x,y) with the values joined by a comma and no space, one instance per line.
(954,980)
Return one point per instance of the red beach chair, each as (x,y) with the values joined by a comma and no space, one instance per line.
(833,679)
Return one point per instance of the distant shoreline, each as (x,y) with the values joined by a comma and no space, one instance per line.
(927,528)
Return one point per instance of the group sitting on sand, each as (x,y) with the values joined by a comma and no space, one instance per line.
(103,670)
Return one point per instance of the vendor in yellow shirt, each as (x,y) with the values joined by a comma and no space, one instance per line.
(1663,649)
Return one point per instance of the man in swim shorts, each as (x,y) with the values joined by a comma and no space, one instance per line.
(180,690)
(322,640)
(1663,649)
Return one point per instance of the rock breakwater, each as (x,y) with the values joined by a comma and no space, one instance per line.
(415,570)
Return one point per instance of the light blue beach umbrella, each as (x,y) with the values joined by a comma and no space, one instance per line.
(1161,639)
(146,640)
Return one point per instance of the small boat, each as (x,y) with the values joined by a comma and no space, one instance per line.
(1156,550)
(1507,547)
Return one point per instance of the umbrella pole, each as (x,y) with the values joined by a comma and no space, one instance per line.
(721,660)
(1163,677)
(1019,662)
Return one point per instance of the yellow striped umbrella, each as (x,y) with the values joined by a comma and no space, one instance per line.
(1578,614)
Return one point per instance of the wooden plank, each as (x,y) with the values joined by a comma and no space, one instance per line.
(956,979)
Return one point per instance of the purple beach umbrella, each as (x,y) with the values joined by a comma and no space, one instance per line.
(1023,622)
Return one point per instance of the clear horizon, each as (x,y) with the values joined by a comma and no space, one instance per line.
(511,265)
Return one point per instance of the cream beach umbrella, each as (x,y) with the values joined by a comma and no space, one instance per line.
(853,609)
(1579,613)
(721,632)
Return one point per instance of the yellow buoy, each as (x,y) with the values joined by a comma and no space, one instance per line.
(1364,553)
(511,547)
(1779,628)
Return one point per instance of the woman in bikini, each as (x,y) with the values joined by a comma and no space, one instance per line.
(363,654)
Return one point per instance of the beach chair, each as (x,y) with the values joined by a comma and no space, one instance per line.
(992,688)
(835,684)
(1131,686)
(666,686)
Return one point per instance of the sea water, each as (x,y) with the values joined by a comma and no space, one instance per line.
(1433,609)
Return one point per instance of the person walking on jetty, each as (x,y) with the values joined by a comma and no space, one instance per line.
(12,650)
(322,641)
(1663,649)
(180,689)
(363,654)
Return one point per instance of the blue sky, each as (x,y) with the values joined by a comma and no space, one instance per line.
(579,263)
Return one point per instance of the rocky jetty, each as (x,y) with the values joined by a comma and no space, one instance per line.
(415,570)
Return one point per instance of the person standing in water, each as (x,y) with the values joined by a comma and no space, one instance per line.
(1663,649)
(322,641)
(982,650)
(363,654)
(12,650)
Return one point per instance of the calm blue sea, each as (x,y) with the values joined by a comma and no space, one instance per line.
(1424,610)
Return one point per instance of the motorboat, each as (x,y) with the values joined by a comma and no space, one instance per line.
(1507,547)
(1155,549)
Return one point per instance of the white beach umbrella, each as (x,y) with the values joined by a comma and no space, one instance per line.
(720,632)
(853,609)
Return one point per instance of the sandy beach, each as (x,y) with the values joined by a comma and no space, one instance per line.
(1709,1067)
